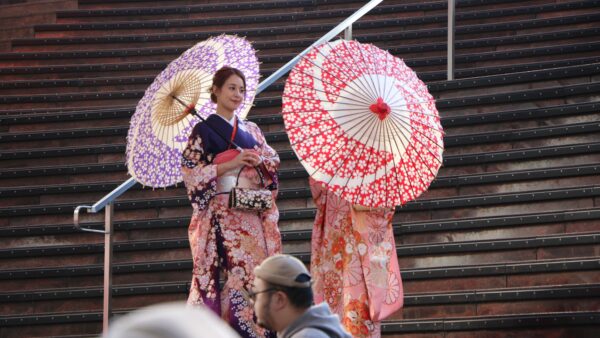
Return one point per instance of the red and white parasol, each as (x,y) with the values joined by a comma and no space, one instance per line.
(363,124)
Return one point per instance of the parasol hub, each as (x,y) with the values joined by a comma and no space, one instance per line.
(191,108)
(381,109)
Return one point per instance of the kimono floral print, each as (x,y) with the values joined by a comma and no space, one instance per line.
(354,263)
(225,240)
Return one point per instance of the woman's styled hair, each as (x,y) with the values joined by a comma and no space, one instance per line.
(221,76)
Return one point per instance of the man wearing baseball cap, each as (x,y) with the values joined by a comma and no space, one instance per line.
(282,298)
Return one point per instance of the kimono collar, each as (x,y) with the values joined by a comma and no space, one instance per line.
(232,121)
(215,133)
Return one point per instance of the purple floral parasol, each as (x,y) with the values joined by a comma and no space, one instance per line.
(161,124)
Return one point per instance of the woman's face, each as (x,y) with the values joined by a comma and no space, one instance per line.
(231,95)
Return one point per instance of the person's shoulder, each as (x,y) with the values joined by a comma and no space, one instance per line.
(199,125)
(309,332)
(249,124)
(252,127)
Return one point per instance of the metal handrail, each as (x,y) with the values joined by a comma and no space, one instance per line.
(109,198)
(332,33)
(106,202)
(121,189)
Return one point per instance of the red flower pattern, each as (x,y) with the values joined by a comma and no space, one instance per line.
(319,101)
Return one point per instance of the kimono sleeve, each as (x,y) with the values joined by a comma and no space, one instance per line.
(199,174)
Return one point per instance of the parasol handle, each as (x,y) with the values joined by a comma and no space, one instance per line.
(192,110)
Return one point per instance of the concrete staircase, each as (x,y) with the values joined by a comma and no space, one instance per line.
(505,242)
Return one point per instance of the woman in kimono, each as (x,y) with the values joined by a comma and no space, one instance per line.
(226,242)
(354,263)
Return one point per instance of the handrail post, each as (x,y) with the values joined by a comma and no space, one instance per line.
(451,29)
(108,253)
(348,33)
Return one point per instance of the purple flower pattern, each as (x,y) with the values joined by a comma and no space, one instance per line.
(149,160)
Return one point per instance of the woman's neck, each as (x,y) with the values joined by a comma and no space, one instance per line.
(228,115)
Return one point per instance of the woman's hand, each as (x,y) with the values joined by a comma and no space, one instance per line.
(253,157)
(247,157)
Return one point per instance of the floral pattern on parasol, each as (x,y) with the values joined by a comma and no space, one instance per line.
(363,124)
(160,126)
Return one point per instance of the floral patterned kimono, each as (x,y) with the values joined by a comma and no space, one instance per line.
(225,240)
(354,263)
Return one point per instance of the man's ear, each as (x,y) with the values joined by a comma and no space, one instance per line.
(280,299)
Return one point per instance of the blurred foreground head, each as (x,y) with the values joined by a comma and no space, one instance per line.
(170,320)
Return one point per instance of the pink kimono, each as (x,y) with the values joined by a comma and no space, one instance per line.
(227,242)
(354,263)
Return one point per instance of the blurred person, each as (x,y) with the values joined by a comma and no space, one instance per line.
(170,320)
(283,298)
